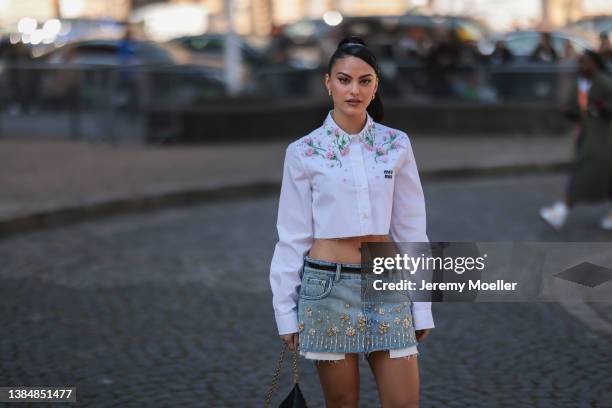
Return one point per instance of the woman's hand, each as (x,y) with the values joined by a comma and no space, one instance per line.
(422,334)
(291,340)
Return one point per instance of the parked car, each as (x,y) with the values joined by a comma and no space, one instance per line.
(147,71)
(310,42)
(523,43)
(107,52)
(208,49)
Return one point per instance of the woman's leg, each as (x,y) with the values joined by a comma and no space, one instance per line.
(397,379)
(340,381)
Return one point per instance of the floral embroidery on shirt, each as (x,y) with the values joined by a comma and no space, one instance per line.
(332,155)
(368,138)
(390,141)
(335,144)
(343,144)
(314,148)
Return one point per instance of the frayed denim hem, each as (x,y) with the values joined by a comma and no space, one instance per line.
(365,355)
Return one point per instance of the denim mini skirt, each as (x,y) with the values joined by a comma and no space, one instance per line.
(341,312)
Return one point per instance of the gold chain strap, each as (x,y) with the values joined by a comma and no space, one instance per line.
(295,367)
(279,363)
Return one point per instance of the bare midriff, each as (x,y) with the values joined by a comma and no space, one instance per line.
(342,250)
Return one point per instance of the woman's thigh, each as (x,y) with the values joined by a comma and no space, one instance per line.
(340,381)
(397,379)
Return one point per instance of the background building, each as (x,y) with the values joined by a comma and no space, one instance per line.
(257,17)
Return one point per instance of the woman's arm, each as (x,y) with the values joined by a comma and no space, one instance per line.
(409,224)
(295,233)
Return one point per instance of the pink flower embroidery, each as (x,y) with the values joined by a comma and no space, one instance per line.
(345,151)
(309,151)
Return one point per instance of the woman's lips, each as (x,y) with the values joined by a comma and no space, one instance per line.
(353,102)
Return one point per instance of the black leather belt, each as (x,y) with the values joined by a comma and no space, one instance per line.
(343,268)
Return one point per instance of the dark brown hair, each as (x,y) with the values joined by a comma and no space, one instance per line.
(356,47)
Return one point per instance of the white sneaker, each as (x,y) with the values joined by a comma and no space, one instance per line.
(555,215)
(606,222)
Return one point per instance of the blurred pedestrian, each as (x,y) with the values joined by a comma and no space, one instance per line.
(569,52)
(126,50)
(544,52)
(18,56)
(590,105)
(605,48)
(442,63)
(128,80)
(501,54)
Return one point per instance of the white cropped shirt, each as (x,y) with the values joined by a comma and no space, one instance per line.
(338,185)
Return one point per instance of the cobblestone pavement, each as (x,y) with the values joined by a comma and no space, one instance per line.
(172,308)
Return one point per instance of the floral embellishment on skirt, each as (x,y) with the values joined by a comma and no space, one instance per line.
(332,331)
(344,317)
(361,322)
(350,331)
(383,327)
(301,326)
(309,311)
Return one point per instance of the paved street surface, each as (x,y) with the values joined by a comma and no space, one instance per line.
(172,308)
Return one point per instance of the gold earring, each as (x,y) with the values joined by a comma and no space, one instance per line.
(329,92)
(373,96)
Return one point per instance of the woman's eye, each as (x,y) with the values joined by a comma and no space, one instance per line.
(343,80)
(366,81)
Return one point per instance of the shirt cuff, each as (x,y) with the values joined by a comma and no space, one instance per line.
(423,319)
(287,323)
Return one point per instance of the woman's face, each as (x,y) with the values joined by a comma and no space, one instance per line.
(352,82)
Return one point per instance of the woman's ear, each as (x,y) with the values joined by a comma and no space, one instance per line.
(327,81)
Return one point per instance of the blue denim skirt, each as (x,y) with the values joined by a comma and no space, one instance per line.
(344,313)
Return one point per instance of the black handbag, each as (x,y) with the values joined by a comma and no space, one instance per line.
(295,399)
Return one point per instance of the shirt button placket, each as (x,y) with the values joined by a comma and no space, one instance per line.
(361,184)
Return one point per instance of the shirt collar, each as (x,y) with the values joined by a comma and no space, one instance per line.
(332,128)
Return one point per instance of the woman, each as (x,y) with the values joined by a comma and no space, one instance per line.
(591,106)
(350,181)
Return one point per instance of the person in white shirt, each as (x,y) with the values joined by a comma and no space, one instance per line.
(350,181)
